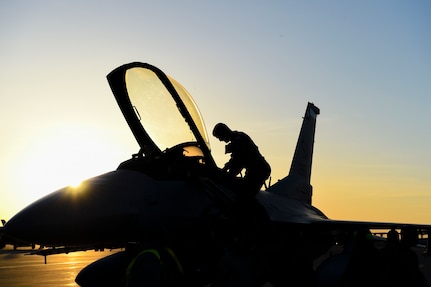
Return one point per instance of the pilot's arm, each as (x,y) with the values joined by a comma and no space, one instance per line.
(233,167)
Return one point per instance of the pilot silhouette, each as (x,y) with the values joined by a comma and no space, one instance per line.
(244,155)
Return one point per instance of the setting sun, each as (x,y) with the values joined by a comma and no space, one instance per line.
(60,157)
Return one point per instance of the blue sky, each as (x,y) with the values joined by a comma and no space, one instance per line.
(251,64)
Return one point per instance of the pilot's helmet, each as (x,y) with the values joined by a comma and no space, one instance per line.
(221,131)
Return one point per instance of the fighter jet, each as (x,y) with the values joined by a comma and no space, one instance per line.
(172,188)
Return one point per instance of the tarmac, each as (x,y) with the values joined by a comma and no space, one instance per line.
(20,270)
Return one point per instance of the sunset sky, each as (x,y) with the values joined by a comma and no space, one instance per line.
(251,64)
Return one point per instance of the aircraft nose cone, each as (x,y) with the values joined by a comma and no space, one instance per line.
(41,219)
(14,229)
(53,216)
(108,210)
(79,215)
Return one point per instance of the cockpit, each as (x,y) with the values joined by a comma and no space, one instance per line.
(163,118)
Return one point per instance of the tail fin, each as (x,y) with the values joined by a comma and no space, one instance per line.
(297,183)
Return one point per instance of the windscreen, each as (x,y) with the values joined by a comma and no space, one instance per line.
(158,112)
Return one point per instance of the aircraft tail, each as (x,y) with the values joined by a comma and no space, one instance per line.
(297,183)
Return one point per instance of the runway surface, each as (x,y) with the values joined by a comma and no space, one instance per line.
(20,270)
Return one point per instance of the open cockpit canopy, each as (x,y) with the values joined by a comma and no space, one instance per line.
(160,112)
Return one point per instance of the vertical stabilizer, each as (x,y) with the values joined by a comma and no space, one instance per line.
(297,183)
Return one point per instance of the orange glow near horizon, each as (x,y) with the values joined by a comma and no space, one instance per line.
(254,71)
